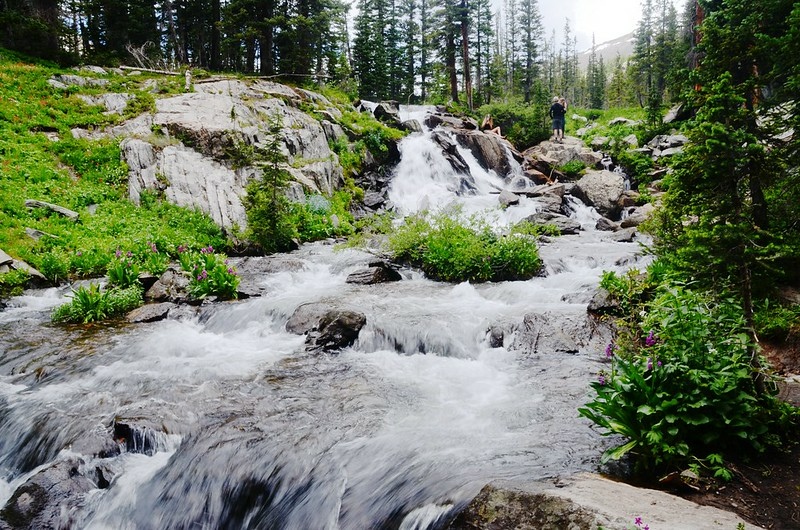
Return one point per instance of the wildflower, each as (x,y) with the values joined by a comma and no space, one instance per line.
(153,247)
(182,248)
(231,271)
(601,379)
(638,521)
(118,253)
(207,250)
(659,364)
(202,276)
(649,364)
(129,254)
(610,350)
(79,253)
(650,340)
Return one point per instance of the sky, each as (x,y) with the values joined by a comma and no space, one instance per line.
(607,19)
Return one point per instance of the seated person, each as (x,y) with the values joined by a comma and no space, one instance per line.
(488,125)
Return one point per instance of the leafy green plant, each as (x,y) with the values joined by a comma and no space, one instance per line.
(122,271)
(320,217)
(449,248)
(12,283)
(573,168)
(209,274)
(94,304)
(680,388)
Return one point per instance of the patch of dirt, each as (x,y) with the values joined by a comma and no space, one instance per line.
(765,493)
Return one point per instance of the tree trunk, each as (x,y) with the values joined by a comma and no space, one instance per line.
(465,52)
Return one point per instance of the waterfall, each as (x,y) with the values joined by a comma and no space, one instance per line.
(235,425)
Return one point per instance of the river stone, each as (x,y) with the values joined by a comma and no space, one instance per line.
(602,303)
(601,189)
(552,204)
(379,272)
(544,336)
(44,499)
(564,224)
(507,199)
(170,287)
(625,235)
(336,329)
(587,501)
(150,313)
(607,225)
(638,216)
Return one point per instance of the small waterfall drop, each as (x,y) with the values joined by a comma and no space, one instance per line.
(398,431)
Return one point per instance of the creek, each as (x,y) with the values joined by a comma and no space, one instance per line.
(237,426)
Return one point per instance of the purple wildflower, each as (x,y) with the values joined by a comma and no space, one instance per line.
(610,350)
(650,340)
(182,249)
(659,364)
(202,276)
(231,271)
(118,253)
(649,364)
(207,250)
(153,247)
(129,254)
(638,521)
(601,379)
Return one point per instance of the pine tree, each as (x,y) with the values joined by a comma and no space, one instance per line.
(530,22)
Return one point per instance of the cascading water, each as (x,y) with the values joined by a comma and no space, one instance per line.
(236,426)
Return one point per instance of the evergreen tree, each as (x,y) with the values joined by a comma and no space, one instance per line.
(530,22)
(482,32)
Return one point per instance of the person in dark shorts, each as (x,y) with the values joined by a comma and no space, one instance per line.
(557,113)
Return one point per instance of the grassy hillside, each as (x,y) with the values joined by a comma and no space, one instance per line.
(41,160)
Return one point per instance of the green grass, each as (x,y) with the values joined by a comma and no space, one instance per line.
(82,175)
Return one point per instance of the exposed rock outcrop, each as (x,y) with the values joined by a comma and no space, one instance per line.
(587,502)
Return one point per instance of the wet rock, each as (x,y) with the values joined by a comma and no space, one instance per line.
(138,438)
(586,501)
(150,313)
(607,225)
(98,443)
(553,204)
(412,126)
(564,224)
(602,303)
(507,199)
(638,216)
(545,336)
(377,272)
(388,112)
(336,329)
(171,287)
(625,235)
(306,317)
(46,497)
(488,149)
(450,152)
(601,189)
(374,199)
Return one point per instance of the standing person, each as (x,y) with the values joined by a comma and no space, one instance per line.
(557,113)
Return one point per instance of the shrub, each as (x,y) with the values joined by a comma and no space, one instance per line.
(93,304)
(209,274)
(123,272)
(523,125)
(12,283)
(320,217)
(680,388)
(451,249)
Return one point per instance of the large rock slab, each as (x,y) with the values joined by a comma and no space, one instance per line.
(587,502)
(489,150)
(204,163)
(602,190)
